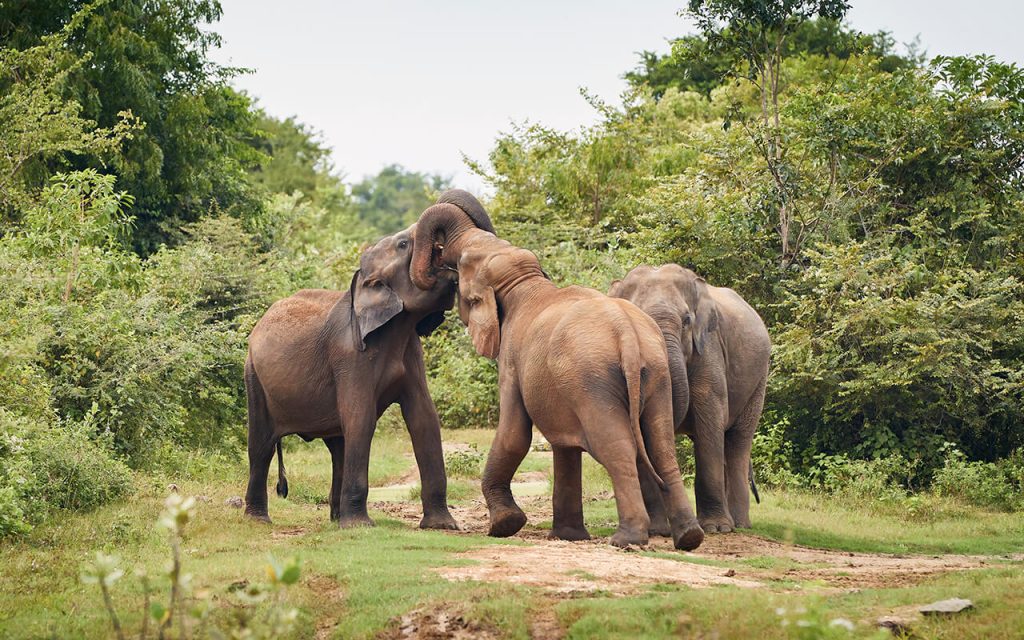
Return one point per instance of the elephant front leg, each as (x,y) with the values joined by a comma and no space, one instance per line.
(425,432)
(568,495)
(709,486)
(358,427)
(510,446)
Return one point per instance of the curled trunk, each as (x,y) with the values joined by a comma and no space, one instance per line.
(440,227)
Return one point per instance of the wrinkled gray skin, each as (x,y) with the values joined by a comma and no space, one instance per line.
(326,364)
(718,350)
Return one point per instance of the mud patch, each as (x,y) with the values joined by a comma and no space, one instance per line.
(569,567)
(325,589)
(424,624)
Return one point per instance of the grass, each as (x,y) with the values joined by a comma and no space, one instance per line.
(361,580)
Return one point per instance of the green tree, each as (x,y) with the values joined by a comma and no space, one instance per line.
(755,32)
(149,57)
(298,158)
(395,197)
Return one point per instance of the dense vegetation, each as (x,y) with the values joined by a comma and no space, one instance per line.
(869,204)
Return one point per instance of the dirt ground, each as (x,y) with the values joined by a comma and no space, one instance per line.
(738,559)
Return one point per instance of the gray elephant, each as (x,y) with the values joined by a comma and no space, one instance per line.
(326,364)
(718,350)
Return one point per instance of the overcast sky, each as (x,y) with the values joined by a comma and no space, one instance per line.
(420,83)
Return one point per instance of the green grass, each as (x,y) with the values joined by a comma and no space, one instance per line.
(364,578)
(821,521)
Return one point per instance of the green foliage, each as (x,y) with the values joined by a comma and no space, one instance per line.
(464,386)
(464,464)
(149,60)
(195,614)
(395,197)
(999,485)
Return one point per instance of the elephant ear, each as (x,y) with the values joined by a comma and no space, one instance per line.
(615,290)
(705,318)
(482,318)
(372,307)
(426,326)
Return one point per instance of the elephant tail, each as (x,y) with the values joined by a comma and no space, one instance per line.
(282,479)
(753,485)
(633,372)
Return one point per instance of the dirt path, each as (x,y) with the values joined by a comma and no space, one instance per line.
(737,559)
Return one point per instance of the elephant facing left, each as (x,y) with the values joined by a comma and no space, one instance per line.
(326,364)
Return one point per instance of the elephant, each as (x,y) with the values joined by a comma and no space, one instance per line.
(589,371)
(718,353)
(326,364)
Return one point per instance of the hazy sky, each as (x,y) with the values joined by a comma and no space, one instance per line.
(420,83)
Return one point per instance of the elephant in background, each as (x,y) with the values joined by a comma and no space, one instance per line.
(589,371)
(718,352)
(326,364)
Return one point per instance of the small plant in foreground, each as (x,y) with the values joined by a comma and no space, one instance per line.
(275,621)
(811,624)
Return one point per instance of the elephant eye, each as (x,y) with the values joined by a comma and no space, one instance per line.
(403,244)
(687,319)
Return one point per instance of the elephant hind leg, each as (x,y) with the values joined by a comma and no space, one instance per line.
(612,443)
(738,440)
(336,445)
(261,440)
(654,503)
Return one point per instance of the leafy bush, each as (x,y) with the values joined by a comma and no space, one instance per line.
(464,464)
(44,468)
(999,485)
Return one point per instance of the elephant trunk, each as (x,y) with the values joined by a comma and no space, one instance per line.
(470,206)
(680,381)
(438,233)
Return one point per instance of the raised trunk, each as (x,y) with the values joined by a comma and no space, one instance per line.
(438,227)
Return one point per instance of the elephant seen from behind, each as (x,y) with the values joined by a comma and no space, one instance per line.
(718,354)
(588,370)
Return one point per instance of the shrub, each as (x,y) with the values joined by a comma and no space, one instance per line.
(44,468)
(988,484)
(463,464)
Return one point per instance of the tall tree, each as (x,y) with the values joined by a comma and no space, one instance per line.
(149,57)
(756,32)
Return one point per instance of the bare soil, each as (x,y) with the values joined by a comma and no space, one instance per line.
(738,559)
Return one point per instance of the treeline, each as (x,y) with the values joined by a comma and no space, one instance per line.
(149,214)
(868,203)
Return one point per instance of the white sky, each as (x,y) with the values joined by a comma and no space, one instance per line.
(418,82)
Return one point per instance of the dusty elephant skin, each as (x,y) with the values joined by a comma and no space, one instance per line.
(718,350)
(589,371)
(326,364)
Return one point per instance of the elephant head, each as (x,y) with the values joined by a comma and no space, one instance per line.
(678,301)
(487,266)
(381,289)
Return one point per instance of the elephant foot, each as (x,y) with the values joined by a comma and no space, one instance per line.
(624,538)
(689,538)
(258,516)
(506,522)
(572,534)
(660,528)
(440,520)
(717,525)
(351,522)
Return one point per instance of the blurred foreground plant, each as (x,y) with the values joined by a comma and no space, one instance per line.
(262,614)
